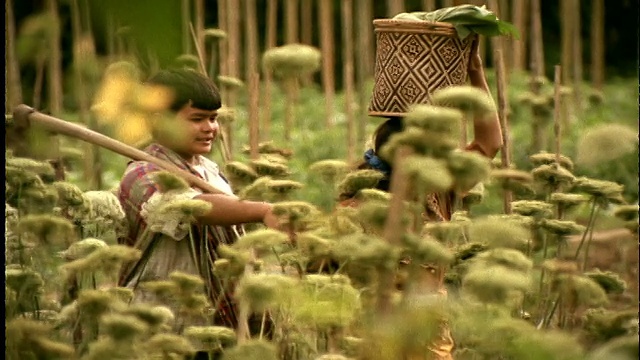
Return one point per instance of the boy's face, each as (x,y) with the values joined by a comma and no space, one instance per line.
(197,130)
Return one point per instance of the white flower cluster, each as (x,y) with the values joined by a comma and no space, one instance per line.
(167,213)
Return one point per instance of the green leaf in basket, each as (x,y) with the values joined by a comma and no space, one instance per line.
(467,19)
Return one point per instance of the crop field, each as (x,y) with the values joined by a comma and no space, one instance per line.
(539,259)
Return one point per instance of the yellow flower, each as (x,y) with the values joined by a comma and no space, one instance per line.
(133,127)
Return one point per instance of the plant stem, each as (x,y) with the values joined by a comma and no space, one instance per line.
(589,225)
(586,249)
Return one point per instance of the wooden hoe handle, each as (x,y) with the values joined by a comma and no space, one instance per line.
(25,116)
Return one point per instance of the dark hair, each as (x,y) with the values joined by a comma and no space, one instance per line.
(188,86)
(381,136)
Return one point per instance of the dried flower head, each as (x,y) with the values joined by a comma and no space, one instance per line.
(226,115)
(606,142)
(284,186)
(69,195)
(603,190)
(436,120)
(627,212)
(427,174)
(420,141)
(215,33)
(494,284)
(365,249)
(330,170)
(562,227)
(122,327)
(533,208)
(608,280)
(123,294)
(186,283)
(294,211)
(25,282)
(509,258)
(567,201)
(546,158)
(262,240)
(265,167)
(166,212)
(468,169)
(26,338)
(262,291)
(326,300)
(230,82)
(358,180)
(552,176)
(292,60)
(468,99)
(169,344)
(257,190)
(584,290)
(427,250)
(186,61)
(105,207)
(42,169)
(47,228)
(499,233)
(82,248)
(474,196)
(240,173)
(92,304)
(168,181)
(210,338)
(448,232)
(154,317)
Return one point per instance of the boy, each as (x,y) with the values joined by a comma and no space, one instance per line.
(167,248)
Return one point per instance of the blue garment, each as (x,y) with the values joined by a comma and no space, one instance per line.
(375,162)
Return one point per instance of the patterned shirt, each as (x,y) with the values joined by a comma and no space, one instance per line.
(168,250)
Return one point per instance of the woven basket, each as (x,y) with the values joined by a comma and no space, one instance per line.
(414,59)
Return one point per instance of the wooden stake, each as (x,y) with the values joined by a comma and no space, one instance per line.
(347,41)
(13,88)
(597,44)
(234,56)
(557,81)
(55,61)
(399,188)
(363,68)
(503,106)
(577,55)
(270,41)
(537,57)
(428,5)
(223,44)
(327,48)
(186,20)
(306,24)
(291,9)
(566,28)
(199,24)
(251,44)
(518,14)
(394,7)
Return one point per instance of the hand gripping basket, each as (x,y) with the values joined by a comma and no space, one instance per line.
(414,59)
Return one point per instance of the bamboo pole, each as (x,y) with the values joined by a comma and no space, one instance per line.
(395,7)
(199,25)
(26,115)
(503,106)
(597,44)
(291,9)
(577,56)
(55,61)
(537,51)
(428,5)
(399,188)
(13,88)
(347,78)
(363,61)
(223,55)
(91,173)
(566,28)
(234,56)
(327,48)
(518,14)
(270,41)
(251,44)
(306,24)
(186,20)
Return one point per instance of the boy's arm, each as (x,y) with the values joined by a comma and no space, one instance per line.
(227,210)
(487,132)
